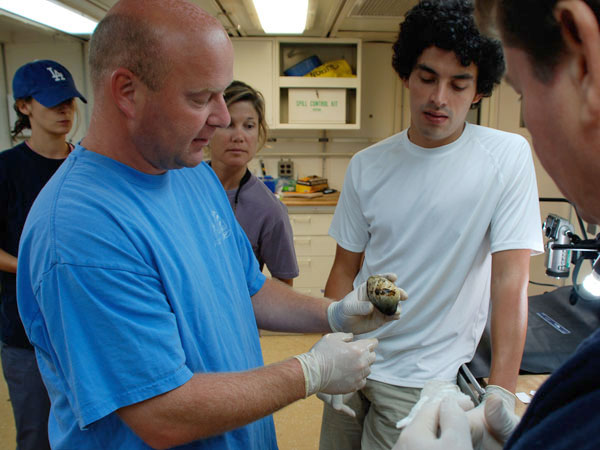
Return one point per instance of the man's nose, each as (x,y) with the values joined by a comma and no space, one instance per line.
(219,117)
(439,96)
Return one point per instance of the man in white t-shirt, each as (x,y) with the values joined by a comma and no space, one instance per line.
(451,208)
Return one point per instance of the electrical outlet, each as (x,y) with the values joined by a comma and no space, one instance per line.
(285,168)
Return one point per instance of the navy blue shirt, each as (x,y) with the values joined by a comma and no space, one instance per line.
(23,174)
(565,412)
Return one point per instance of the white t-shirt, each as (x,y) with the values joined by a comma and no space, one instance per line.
(434,217)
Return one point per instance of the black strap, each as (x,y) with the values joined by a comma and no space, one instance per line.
(243,181)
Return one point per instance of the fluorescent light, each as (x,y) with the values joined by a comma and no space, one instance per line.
(282,16)
(51,14)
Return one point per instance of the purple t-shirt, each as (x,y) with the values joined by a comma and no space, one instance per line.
(266,223)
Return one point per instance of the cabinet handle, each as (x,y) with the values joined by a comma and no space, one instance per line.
(304,261)
(301,219)
(302,241)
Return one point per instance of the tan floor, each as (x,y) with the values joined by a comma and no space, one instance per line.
(7,421)
(297,426)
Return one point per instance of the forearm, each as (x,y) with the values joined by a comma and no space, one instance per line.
(8,262)
(344,270)
(509,327)
(338,284)
(288,281)
(210,404)
(279,308)
(509,323)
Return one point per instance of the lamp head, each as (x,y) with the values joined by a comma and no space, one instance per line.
(591,283)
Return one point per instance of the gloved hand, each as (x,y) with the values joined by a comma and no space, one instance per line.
(338,402)
(356,314)
(435,391)
(493,421)
(437,426)
(336,365)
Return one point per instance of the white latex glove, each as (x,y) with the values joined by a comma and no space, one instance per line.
(437,426)
(338,402)
(356,314)
(434,392)
(493,421)
(336,365)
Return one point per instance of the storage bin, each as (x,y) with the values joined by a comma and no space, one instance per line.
(269,181)
(303,67)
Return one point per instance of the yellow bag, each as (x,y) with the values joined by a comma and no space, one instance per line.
(337,68)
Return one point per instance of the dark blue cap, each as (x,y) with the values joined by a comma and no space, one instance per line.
(46,81)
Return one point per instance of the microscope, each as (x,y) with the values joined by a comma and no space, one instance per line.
(565,247)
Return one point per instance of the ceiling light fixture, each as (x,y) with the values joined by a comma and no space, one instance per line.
(282,16)
(51,14)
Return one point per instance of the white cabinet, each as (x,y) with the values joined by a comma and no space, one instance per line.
(261,62)
(380,83)
(253,64)
(315,251)
(289,51)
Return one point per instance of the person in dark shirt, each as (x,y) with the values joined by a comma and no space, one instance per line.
(44,93)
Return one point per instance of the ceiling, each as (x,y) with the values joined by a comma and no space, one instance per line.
(367,19)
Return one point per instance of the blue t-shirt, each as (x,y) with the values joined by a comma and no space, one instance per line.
(127,285)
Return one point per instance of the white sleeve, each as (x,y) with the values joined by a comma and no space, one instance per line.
(516,223)
(349,226)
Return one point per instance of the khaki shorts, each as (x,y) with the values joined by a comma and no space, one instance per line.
(378,407)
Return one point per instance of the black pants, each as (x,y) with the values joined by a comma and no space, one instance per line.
(28,396)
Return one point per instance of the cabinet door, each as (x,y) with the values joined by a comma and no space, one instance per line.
(253,64)
(379,100)
(310,224)
(314,271)
(314,245)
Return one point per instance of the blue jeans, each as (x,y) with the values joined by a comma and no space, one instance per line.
(29,398)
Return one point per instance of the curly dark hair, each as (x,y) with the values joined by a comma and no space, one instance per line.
(531,26)
(448,25)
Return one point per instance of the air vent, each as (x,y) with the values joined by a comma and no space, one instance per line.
(381,8)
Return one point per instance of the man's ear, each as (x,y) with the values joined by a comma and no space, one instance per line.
(477,98)
(123,84)
(581,34)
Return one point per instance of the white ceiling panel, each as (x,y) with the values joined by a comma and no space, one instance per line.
(371,19)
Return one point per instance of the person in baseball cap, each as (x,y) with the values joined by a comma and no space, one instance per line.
(48,82)
(44,94)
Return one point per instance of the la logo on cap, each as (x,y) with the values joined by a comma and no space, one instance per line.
(58,76)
